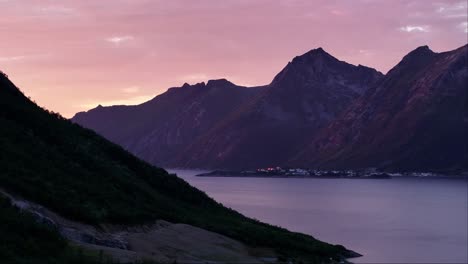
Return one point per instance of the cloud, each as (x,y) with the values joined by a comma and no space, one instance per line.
(457,10)
(463,26)
(366,52)
(22,57)
(413,29)
(131,89)
(14,58)
(117,40)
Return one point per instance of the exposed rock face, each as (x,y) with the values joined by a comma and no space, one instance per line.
(415,119)
(162,241)
(73,231)
(221,125)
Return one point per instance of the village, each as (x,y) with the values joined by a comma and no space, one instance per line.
(301,173)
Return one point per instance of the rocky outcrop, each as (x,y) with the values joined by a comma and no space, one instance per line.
(71,230)
(161,241)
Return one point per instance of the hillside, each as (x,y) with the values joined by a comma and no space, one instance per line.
(26,241)
(82,176)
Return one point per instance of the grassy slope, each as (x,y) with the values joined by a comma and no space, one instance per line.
(79,174)
(24,241)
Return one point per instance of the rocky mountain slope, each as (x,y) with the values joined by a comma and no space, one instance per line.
(77,174)
(220,125)
(306,95)
(161,128)
(414,119)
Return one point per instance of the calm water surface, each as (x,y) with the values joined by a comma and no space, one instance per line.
(388,221)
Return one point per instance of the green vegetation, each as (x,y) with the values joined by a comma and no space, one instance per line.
(73,171)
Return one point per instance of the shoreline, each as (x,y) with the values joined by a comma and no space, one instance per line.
(334,175)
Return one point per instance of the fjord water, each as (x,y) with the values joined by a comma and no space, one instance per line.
(399,220)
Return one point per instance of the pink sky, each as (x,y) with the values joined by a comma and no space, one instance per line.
(72,55)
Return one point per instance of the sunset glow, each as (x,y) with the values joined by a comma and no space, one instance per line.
(72,55)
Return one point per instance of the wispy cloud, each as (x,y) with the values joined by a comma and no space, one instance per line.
(131,89)
(119,39)
(19,58)
(464,26)
(456,10)
(93,42)
(14,58)
(414,29)
(366,52)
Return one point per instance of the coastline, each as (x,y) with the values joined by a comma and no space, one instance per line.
(309,174)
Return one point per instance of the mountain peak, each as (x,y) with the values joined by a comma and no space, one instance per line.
(421,51)
(314,54)
(219,82)
(318,50)
(419,56)
(310,63)
(197,85)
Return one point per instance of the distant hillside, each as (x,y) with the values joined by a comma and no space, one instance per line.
(221,125)
(162,128)
(416,118)
(82,176)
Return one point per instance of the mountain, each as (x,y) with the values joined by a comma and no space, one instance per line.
(162,127)
(71,175)
(307,94)
(220,125)
(415,119)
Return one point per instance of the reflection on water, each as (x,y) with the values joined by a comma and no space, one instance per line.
(388,221)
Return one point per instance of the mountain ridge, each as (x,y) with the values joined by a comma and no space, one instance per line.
(310,91)
(277,123)
(427,90)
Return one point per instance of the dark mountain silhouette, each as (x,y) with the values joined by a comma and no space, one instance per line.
(53,162)
(306,95)
(414,119)
(162,128)
(220,125)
